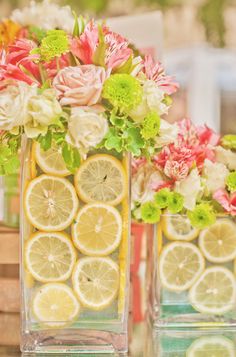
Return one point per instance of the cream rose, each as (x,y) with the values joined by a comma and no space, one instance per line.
(190,189)
(14,105)
(168,134)
(80,86)
(215,174)
(226,156)
(43,110)
(152,101)
(86,128)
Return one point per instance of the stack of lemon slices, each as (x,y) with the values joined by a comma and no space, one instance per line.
(76,268)
(195,261)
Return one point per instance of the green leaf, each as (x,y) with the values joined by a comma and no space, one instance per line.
(46,141)
(100,53)
(76,31)
(113,140)
(125,67)
(12,165)
(135,141)
(37,33)
(71,157)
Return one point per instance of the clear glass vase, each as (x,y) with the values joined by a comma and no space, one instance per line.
(75,253)
(191,273)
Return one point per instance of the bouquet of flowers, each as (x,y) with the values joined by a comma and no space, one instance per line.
(76,83)
(194,174)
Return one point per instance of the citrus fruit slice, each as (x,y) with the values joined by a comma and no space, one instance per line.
(218,242)
(214,292)
(181,263)
(211,346)
(50,161)
(50,203)
(101,178)
(177,227)
(50,257)
(96,282)
(55,304)
(98,229)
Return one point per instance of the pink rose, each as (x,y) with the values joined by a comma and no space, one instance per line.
(80,86)
(226,201)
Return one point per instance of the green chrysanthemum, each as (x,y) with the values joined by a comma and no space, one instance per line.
(54,45)
(151,126)
(176,202)
(229,141)
(202,216)
(231,181)
(150,212)
(123,91)
(162,198)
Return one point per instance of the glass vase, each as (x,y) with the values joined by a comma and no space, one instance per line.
(191,273)
(74,268)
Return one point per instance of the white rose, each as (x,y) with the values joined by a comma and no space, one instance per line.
(168,134)
(190,189)
(214,175)
(45,15)
(43,110)
(86,128)
(143,182)
(152,100)
(14,105)
(226,156)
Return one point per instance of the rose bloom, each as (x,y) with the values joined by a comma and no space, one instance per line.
(215,174)
(190,188)
(14,105)
(79,86)
(43,110)
(86,128)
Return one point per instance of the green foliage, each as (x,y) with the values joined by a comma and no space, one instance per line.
(9,158)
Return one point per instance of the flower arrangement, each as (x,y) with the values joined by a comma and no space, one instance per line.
(194,174)
(76,83)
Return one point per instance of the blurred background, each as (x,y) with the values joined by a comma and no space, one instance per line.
(196,42)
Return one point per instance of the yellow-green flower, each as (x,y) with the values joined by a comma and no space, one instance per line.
(123,91)
(202,216)
(231,181)
(229,141)
(150,212)
(162,198)
(176,202)
(151,125)
(54,45)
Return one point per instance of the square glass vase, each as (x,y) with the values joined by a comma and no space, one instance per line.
(191,273)
(75,253)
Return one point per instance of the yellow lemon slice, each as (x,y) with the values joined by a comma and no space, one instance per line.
(177,227)
(55,304)
(211,346)
(50,203)
(218,242)
(96,282)
(98,229)
(101,178)
(50,161)
(214,292)
(181,264)
(50,257)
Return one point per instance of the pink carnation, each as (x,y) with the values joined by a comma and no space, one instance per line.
(79,86)
(155,71)
(226,201)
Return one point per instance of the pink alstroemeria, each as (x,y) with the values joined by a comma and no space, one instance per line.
(155,71)
(207,136)
(228,202)
(55,65)
(117,50)
(15,73)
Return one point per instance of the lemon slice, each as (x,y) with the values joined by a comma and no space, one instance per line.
(211,346)
(96,282)
(181,263)
(50,161)
(218,242)
(98,229)
(101,178)
(177,227)
(50,257)
(55,305)
(50,203)
(214,292)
